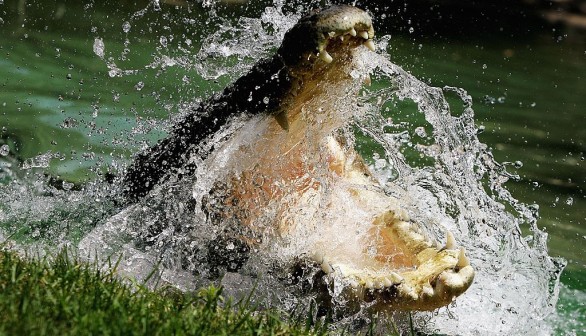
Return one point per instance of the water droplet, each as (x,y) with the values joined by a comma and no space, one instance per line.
(570,201)
(139,86)
(489,100)
(420,131)
(265,100)
(411,30)
(4,150)
(99,47)
(533,208)
(555,202)
(126,27)
(114,73)
(518,164)
(163,41)
(68,123)
(68,76)
(484,66)
(39,161)
(380,163)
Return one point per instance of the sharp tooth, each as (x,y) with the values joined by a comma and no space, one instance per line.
(325,266)
(427,290)
(463,261)
(387,282)
(450,241)
(364,35)
(341,38)
(282,120)
(409,291)
(369,284)
(378,284)
(448,282)
(370,45)
(332,34)
(324,56)
(318,257)
(395,278)
(352,31)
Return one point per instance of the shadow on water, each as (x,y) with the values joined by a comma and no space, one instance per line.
(64,113)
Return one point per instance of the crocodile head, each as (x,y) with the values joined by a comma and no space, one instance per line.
(312,179)
(293,178)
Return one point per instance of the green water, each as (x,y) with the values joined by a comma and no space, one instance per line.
(531,98)
(532,105)
(56,97)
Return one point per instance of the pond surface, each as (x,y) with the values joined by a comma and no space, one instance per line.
(83,88)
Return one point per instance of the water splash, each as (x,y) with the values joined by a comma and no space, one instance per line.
(463,189)
(250,39)
(444,175)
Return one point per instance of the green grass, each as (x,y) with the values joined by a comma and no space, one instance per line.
(62,296)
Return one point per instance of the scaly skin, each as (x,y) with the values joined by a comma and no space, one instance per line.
(293,177)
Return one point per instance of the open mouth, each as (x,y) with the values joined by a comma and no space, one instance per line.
(399,265)
(325,33)
(308,178)
(438,275)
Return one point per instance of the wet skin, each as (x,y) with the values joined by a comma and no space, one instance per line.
(290,172)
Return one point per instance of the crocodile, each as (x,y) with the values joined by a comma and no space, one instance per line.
(291,172)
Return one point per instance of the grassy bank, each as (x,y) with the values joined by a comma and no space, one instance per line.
(64,297)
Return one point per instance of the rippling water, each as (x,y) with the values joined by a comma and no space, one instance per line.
(82,91)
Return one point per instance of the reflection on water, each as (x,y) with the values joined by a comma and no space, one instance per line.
(82,93)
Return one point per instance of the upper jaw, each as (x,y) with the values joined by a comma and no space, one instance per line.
(338,28)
